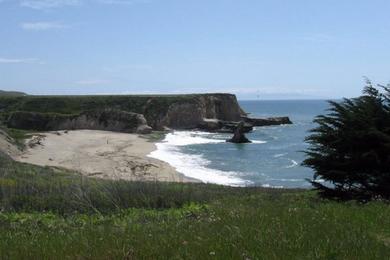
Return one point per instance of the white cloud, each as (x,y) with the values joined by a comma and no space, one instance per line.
(93,82)
(15,61)
(48,4)
(42,26)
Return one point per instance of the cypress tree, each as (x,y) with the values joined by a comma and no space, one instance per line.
(350,147)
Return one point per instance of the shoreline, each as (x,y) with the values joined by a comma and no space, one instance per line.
(100,154)
(194,165)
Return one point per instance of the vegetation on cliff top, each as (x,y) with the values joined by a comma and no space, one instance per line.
(153,107)
(78,104)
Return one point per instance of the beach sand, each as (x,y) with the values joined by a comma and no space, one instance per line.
(99,154)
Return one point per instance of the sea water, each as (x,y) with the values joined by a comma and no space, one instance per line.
(273,159)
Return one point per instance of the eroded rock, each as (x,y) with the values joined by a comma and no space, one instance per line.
(268,121)
(107,119)
(239,136)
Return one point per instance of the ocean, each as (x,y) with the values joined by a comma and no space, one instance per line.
(272,160)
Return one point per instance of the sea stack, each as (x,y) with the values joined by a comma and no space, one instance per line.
(239,136)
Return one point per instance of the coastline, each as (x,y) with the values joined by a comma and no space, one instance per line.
(194,166)
(100,154)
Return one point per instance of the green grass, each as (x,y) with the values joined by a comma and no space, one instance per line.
(54,214)
(18,135)
(31,188)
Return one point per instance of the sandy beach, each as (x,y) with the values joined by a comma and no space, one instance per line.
(99,154)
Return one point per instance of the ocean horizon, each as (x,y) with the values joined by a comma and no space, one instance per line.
(273,159)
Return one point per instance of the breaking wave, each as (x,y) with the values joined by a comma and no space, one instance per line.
(194,165)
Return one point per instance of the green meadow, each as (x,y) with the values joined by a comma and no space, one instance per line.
(49,213)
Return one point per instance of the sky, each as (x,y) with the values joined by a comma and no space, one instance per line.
(256,49)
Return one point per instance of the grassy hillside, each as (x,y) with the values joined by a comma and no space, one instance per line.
(51,213)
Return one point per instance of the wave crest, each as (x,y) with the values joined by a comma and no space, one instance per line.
(194,165)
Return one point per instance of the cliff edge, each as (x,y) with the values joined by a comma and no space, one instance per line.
(130,113)
(77,112)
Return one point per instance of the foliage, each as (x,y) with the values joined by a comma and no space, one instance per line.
(18,136)
(350,147)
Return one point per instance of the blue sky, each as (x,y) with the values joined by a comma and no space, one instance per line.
(254,48)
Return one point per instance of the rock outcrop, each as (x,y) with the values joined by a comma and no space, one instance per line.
(267,121)
(239,136)
(109,120)
(160,111)
(209,112)
(189,114)
(220,126)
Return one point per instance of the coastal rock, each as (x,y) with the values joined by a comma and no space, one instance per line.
(108,119)
(239,136)
(215,125)
(267,121)
(216,112)
(181,116)
(190,113)
(210,125)
(144,129)
(173,111)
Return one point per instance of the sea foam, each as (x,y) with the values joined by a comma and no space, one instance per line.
(194,165)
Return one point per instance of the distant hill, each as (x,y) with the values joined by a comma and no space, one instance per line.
(12,93)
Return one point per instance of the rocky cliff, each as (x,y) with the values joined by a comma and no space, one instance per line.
(189,115)
(210,112)
(160,112)
(108,119)
(284,120)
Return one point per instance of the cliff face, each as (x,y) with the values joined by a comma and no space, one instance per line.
(209,112)
(284,120)
(187,115)
(74,112)
(109,120)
